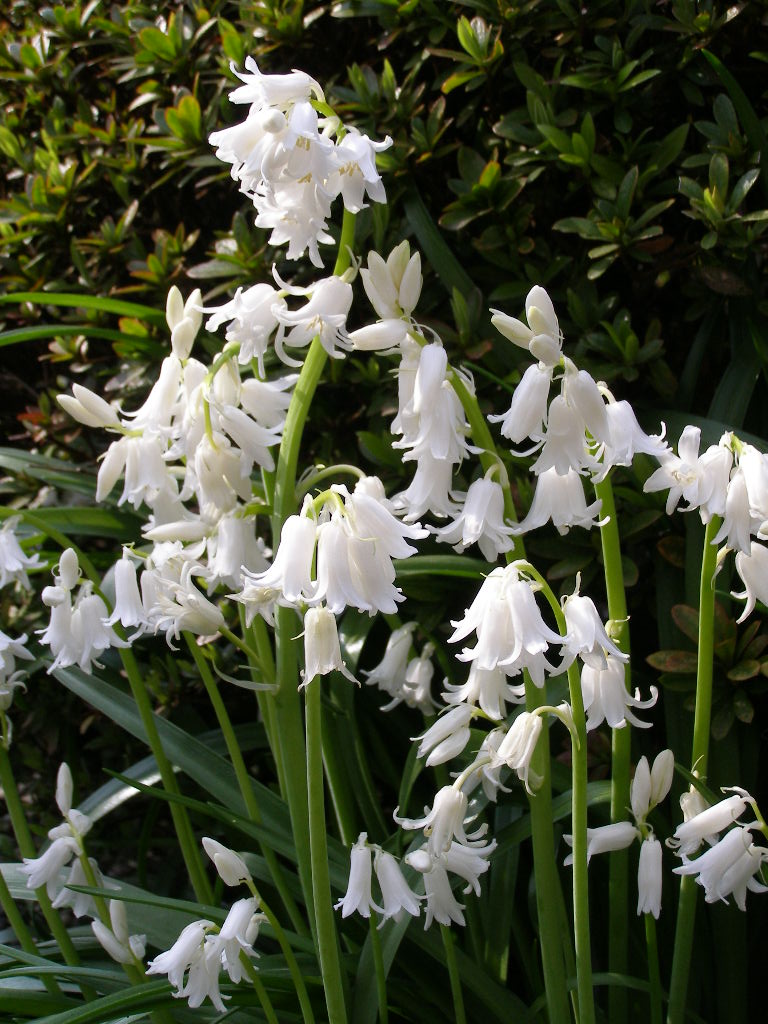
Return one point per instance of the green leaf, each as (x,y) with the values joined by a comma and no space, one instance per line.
(441,565)
(158,43)
(679,662)
(54,472)
(76,300)
(626,193)
(747,669)
(92,522)
(449,270)
(34,332)
(749,119)
(129,1000)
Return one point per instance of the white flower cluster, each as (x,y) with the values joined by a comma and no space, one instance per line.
(14,563)
(202,951)
(79,631)
(582,431)
(729,866)
(729,480)
(649,787)
(292,163)
(46,870)
(336,557)
(404,679)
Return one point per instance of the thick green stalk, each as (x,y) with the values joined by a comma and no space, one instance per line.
(549,896)
(327,939)
(579,776)
(686,907)
(261,992)
(22,933)
(378,964)
(654,976)
(186,837)
(27,849)
(453,973)
(621,751)
(580,874)
(290,959)
(550,904)
(244,780)
(287,722)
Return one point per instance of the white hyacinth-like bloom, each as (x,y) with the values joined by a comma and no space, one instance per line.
(322,653)
(14,562)
(752,567)
(518,746)
(728,868)
(541,336)
(587,636)
(396,895)
(444,822)
(231,867)
(389,674)
(358,895)
(561,499)
(511,632)
(606,839)
(690,834)
(194,962)
(481,521)
(649,877)
(287,162)
(606,698)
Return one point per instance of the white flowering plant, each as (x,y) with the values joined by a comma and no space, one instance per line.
(271,575)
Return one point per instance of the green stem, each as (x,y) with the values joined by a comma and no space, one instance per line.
(27,849)
(654,976)
(327,939)
(243,779)
(260,990)
(549,895)
(453,974)
(686,907)
(580,874)
(287,727)
(621,752)
(186,837)
(340,469)
(264,664)
(22,933)
(290,959)
(579,776)
(235,640)
(381,974)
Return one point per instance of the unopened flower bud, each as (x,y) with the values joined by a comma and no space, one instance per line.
(231,867)
(174,308)
(662,772)
(64,789)
(69,569)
